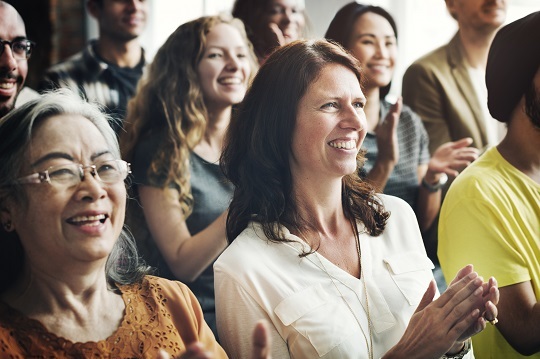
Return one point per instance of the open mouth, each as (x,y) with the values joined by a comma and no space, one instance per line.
(88,220)
(348,145)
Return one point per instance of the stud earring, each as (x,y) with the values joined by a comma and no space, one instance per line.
(7,225)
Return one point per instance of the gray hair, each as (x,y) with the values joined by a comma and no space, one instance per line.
(123,266)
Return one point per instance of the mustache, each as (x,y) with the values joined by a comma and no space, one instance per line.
(9,75)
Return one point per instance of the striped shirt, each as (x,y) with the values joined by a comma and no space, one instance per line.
(96,80)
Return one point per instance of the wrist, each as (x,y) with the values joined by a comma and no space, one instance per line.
(459,350)
(433,183)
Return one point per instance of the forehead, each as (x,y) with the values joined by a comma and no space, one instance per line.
(224,35)
(373,23)
(67,133)
(11,24)
(288,3)
(335,80)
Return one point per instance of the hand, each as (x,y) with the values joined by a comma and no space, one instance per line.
(437,326)
(386,131)
(260,339)
(451,158)
(487,305)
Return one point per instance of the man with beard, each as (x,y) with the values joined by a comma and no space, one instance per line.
(491,214)
(108,69)
(14,53)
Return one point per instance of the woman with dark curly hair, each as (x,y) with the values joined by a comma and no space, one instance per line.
(338,271)
(173,137)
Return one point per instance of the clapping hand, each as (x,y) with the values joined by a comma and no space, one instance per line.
(260,339)
(386,131)
(453,157)
(440,326)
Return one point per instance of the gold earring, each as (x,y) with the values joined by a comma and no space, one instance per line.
(7,225)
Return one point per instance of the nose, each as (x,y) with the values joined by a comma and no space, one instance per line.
(90,188)
(134,5)
(233,63)
(8,63)
(382,51)
(286,18)
(354,118)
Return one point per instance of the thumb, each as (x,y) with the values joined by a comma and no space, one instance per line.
(261,341)
(428,296)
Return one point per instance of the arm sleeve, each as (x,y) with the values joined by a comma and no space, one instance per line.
(237,313)
(422,92)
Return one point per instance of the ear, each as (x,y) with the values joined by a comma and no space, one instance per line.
(93,8)
(6,220)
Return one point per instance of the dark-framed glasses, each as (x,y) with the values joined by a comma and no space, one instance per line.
(20,48)
(69,175)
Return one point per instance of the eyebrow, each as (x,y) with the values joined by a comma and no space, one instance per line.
(19,38)
(373,35)
(57,155)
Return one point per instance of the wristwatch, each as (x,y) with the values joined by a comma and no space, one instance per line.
(459,355)
(437,186)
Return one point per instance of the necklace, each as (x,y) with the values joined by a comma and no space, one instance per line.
(369,343)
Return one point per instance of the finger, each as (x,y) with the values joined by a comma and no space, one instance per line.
(261,341)
(277,33)
(162,354)
(464,301)
(464,142)
(455,288)
(428,296)
(462,325)
(491,312)
(462,273)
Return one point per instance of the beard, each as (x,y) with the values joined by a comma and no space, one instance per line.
(532,105)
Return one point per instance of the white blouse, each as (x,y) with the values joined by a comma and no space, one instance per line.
(316,310)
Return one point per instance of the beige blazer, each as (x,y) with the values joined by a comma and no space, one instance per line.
(439,89)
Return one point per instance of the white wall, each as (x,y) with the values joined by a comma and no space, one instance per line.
(423,25)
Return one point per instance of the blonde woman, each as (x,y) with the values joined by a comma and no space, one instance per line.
(173,137)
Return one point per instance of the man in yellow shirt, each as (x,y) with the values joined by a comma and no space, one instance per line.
(491,214)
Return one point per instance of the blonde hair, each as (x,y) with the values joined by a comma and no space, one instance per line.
(169,98)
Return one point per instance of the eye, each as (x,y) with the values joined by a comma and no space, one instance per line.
(329,105)
(241,55)
(64,172)
(359,105)
(214,55)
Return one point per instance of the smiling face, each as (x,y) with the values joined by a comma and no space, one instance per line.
(373,43)
(288,16)
(330,126)
(12,72)
(66,226)
(224,68)
(482,15)
(122,20)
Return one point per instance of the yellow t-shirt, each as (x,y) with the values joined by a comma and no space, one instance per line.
(491,219)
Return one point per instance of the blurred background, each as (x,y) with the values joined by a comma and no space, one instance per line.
(62,27)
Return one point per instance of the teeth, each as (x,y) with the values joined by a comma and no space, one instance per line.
(230,81)
(7,85)
(99,217)
(349,145)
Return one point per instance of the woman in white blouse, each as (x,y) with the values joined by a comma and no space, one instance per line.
(336,270)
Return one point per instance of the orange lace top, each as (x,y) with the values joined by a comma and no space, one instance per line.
(160,314)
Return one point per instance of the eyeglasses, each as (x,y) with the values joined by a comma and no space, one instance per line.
(21,49)
(72,174)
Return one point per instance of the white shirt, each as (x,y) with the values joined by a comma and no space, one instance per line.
(256,279)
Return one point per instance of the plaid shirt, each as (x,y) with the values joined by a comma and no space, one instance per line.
(96,80)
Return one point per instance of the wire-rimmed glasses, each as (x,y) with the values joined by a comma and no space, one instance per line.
(71,174)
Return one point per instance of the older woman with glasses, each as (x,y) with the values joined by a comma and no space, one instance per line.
(71,283)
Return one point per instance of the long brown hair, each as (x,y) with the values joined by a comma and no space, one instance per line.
(169,98)
(258,145)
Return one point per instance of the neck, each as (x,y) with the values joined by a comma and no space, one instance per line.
(476,45)
(211,144)
(320,206)
(520,145)
(372,108)
(120,53)
(42,292)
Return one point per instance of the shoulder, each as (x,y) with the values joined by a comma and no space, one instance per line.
(158,288)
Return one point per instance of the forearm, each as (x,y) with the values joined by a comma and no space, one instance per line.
(379,174)
(196,253)
(427,207)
